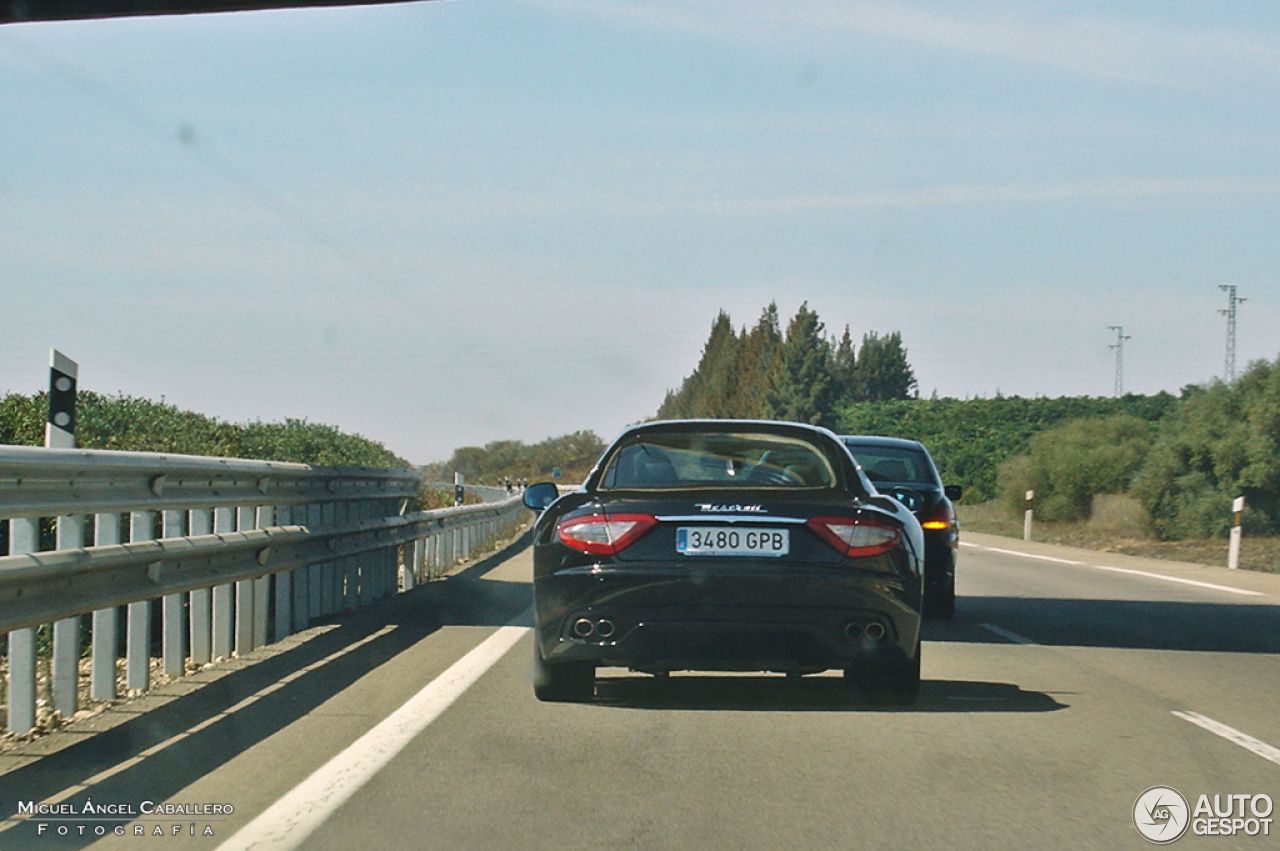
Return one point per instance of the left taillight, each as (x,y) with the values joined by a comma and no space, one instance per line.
(857,536)
(603,534)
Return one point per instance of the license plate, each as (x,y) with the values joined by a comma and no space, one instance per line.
(732,541)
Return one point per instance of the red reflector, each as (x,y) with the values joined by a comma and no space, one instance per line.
(857,536)
(603,534)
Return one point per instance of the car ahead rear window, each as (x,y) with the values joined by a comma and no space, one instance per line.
(684,460)
(893,464)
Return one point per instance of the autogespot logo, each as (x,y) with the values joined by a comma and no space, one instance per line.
(1161,814)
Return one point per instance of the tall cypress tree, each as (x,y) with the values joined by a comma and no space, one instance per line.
(710,390)
(803,388)
(844,369)
(757,363)
(882,369)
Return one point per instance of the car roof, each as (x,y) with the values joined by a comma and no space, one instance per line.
(879,440)
(729,425)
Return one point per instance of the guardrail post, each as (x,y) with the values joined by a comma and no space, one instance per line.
(224,520)
(265,519)
(174,648)
(64,671)
(415,571)
(200,522)
(367,567)
(24,536)
(102,685)
(284,581)
(350,568)
(247,517)
(137,673)
(306,582)
(324,514)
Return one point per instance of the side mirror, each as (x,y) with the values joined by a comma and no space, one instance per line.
(953,492)
(539,496)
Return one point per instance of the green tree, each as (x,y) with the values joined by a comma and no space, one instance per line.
(710,391)
(844,368)
(803,386)
(757,365)
(882,371)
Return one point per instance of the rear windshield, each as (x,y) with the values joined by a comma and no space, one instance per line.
(718,460)
(893,464)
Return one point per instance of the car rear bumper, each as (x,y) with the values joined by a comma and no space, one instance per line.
(648,621)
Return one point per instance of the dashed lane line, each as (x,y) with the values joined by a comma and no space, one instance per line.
(1010,635)
(1231,734)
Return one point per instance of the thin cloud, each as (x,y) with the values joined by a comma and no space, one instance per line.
(959,194)
(1105,47)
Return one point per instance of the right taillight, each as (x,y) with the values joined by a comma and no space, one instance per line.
(938,520)
(857,536)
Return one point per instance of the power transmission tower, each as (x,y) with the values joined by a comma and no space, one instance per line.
(1229,370)
(1118,345)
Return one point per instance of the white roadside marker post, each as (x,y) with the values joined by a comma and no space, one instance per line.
(1233,550)
(1026,518)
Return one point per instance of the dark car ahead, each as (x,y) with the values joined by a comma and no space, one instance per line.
(725,545)
(905,468)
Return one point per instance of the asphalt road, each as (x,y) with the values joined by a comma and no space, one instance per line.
(1068,683)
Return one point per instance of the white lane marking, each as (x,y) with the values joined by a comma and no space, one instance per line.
(1231,734)
(76,789)
(1032,555)
(1012,636)
(1211,586)
(1194,582)
(289,821)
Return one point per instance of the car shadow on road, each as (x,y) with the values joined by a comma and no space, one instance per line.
(773,693)
(154,754)
(1123,624)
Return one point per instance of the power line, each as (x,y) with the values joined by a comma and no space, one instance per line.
(1118,345)
(1229,369)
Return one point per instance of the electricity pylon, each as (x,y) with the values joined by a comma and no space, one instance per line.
(1229,369)
(1118,345)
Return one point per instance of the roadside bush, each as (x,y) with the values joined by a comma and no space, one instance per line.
(1069,464)
(1223,443)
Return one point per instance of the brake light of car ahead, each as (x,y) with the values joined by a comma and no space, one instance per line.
(856,536)
(603,534)
(940,519)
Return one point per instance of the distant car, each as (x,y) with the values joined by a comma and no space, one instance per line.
(725,545)
(905,469)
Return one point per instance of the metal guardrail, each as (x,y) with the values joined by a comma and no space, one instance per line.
(240,552)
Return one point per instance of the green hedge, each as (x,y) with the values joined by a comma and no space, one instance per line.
(969,438)
(139,425)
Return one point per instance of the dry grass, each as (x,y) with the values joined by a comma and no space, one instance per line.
(1119,525)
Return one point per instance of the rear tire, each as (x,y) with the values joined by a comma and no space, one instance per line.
(941,603)
(897,683)
(562,682)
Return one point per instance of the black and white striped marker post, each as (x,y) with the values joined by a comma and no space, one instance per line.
(1233,548)
(60,428)
(60,433)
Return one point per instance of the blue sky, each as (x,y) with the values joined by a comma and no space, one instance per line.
(443,223)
